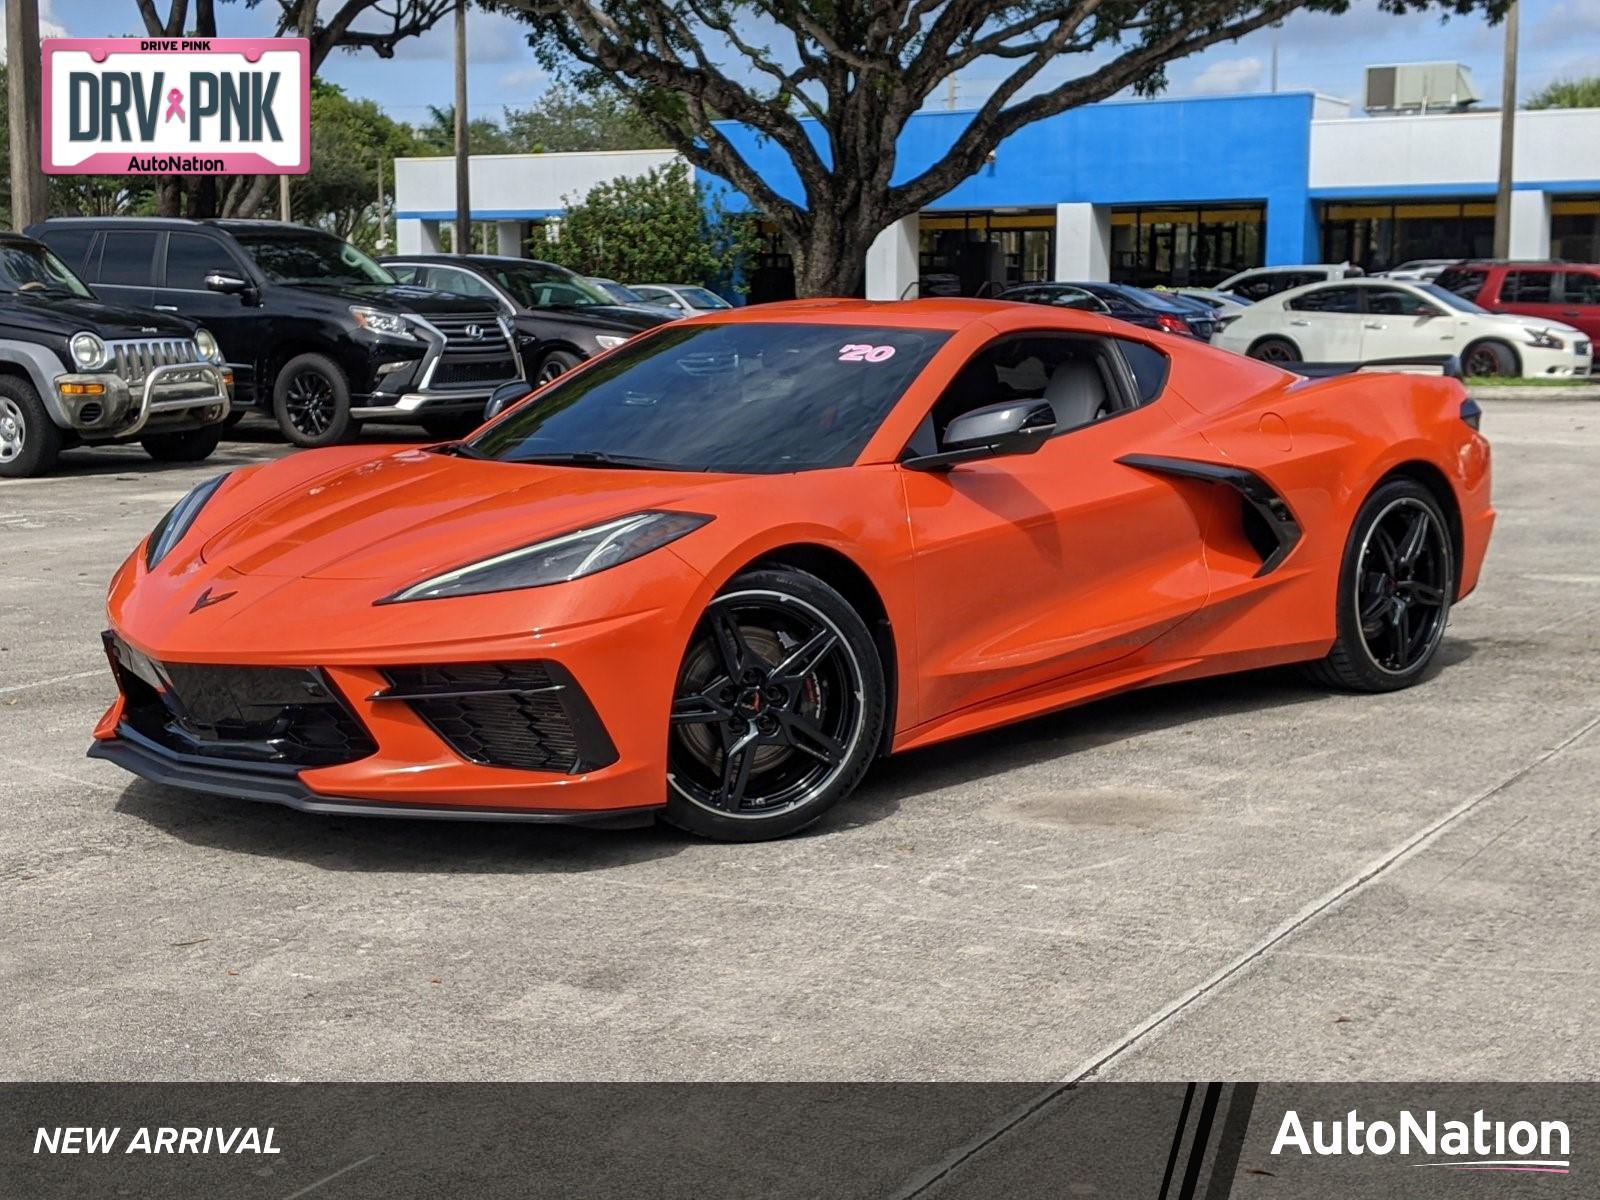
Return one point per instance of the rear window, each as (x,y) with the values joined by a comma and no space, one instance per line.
(1527,287)
(1465,282)
(1580,287)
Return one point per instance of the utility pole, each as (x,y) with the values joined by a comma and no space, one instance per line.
(29,197)
(1508,133)
(463,238)
(1277,26)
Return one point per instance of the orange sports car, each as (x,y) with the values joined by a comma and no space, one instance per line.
(716,571)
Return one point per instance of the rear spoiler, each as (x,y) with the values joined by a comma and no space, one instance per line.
(1421,364)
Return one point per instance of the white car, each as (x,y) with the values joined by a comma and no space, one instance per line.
(684,299)
(1362,320)
(1260,282)
(1418,270)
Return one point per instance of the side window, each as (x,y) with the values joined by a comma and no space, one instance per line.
(70,245)
(1465,282)
(404,272)
(1328,300)
(1071,374)
(1259,286)
(128,258)
(1149,367)
(1075,298)
(1527,287)
(193,256)
(1396,302)
(1580,287)
(462,283)
(657,296)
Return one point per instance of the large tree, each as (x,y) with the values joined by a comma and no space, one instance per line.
(375,25)
(858,70)
(1568,93)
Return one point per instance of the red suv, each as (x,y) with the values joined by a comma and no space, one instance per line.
(1568,293)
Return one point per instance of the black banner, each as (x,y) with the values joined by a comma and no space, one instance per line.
(1157,1141)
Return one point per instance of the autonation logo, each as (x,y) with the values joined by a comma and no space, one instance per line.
(1476,1145)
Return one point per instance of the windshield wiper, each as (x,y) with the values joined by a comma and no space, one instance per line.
(597,458)
(459,450)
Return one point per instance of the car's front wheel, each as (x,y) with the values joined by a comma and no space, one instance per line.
(29,439)
(778,710)
(311,400)
(1490,358)
(554,365)
(190,446)
(1395,586)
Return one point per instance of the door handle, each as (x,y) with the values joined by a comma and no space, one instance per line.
(1373,325)
(1570,312)
(166,307)
(1299,322)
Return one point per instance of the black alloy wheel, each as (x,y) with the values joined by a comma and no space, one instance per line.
(1396,587)
(1275,350)
(554,365)
(778,709)
(1489,358)
(311,401)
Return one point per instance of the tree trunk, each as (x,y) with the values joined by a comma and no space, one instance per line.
(830,257)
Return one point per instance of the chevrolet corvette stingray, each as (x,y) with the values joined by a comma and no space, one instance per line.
(714,572)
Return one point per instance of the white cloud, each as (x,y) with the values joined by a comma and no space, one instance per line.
(1226,76)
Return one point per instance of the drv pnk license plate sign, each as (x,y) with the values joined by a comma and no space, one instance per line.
(184,106)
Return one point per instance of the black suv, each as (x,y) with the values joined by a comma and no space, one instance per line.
(317,333)
(559,316)
(74,371)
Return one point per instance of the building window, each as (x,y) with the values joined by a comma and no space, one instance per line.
(979,253)
(1185,247)
(1575,230)
(1377,237)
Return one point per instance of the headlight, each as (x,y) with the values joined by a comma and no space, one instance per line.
(608,341)
(1545,340)
(207,345)
(88,351)
(384,324)
(170,529)
(558,559)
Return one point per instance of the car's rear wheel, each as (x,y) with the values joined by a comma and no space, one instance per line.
(30,442)
(190,446)
(311,401)
(778,710)
(1275,350)
(1395,586)
(554,365)
(1490,358)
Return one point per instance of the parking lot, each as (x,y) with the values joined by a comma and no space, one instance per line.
(1245,878)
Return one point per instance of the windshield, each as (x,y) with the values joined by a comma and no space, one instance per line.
(744,398)
(542,285)
(620,293)
(699,297)
(1449,299)
(301,258)
(34,269)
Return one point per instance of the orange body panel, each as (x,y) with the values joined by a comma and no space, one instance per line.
(1012,586)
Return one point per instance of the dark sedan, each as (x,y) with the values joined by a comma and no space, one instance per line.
(560,317)
(1135,305)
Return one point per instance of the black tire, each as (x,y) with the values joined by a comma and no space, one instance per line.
(235,415)
(807,707)
(1275,350)
(1490,357)
(554,365)
(311,400)
(451,427)
(191,446)
(30,442)
(1394,598)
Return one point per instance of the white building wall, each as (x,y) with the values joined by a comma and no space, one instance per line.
(513,186)
(1530,224)
(892,260)
(1083,242)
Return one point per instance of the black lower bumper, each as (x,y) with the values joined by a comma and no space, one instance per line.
(275,784)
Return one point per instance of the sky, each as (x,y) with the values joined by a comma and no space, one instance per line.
(1560,39)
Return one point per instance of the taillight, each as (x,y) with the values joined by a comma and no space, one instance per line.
(1173,324)
(1470,412)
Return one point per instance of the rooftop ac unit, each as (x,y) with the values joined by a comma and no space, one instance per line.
(1420,88)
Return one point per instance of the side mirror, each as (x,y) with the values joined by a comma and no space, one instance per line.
(230,285)
(504,396)
(1011,427)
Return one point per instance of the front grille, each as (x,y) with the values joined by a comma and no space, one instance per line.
(529,716)
(458,332)
(286,715)
(451,372)
(137,357)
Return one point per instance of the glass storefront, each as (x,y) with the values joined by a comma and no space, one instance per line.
(1376,237)
(1185,247)
(1575,230)
(969,253)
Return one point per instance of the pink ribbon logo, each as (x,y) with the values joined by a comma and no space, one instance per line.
(175,105)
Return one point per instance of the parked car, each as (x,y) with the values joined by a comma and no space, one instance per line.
(1138,306)
(1360,320)
(685,299)
(1226,305)
(1565,292)
(318,335)
(1418,270)
(559,317)
(621,293)
(1261,282)
(75,371)
(762,550)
